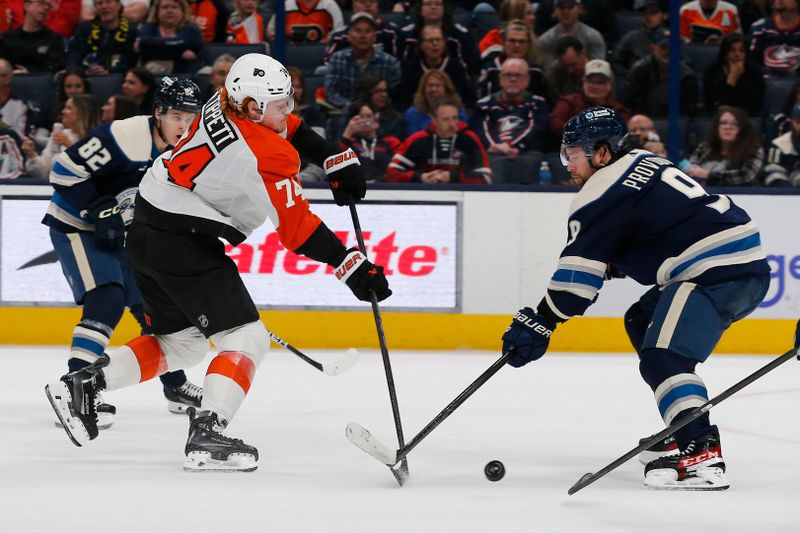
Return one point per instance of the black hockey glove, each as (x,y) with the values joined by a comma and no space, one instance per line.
(109,228)
(362,276)
(345,175)
(527,337)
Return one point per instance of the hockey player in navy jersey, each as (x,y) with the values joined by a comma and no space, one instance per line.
(638,214)
(95,181)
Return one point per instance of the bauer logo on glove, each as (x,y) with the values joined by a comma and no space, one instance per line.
(345,175)
(362,276)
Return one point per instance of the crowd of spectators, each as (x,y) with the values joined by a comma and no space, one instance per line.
(429,91)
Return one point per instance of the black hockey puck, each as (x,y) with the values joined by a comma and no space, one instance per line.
(494,470)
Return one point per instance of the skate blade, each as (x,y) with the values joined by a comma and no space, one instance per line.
(61,401)
(103,422)
(179,408)
(709,478)
(202,462)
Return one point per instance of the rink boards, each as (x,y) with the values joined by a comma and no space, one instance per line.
(460,263)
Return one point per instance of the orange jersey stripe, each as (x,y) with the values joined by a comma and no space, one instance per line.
(235,365)
(148,353)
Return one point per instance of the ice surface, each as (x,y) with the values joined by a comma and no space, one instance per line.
(550,423)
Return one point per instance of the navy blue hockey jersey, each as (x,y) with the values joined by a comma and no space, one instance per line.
(110,160)
(657,225)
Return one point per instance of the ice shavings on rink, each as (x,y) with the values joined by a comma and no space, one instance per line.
(549,423)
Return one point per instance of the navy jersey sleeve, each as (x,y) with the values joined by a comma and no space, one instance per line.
(75,170)
(596,226)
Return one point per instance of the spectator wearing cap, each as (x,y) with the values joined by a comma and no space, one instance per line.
(350,65)
(460,44)
(775,40)
(512,121)
(33,48)
(782,166)
(565,74)
(734,80)
(731,154)
(568,13)
(707,21)
(432,54)
(648,81)
(653,143)
(446,152)
(518,41)
(597,90)
(389,37)
(635,44)
(309,21)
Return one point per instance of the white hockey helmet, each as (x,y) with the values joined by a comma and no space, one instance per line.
(262,78)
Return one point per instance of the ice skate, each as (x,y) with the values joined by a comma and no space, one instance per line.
(661,448)
(699,467)
(181,398)
(208,450)
(74,399)
(105,414)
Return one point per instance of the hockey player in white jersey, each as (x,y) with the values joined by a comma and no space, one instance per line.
(638,214)
(235,167)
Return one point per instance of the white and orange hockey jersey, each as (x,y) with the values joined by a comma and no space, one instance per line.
(696,27)
(227,175)
(310,22)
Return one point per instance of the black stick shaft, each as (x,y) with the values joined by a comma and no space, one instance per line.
(376,312)
(298,353)
(675,426)
(452,406)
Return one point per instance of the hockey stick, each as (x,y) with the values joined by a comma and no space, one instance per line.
(589,478)
(400,474)
(342,365)
(362,438)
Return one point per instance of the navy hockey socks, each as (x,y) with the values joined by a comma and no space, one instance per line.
(677,390)
(102,310)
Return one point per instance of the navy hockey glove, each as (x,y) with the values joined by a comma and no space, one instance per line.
(527,337)
(797,337)
(345,175)
(362,276)
(109,228)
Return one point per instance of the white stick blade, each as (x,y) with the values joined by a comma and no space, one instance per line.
(362,438)
(344,364)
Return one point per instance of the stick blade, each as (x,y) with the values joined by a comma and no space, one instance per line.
(363,439)
(400,472)
(586,479)
(343,364)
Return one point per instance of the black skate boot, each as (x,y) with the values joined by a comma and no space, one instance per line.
(183,397)
(661,448)
(208,450)
(74,399)
(699,467)
(105,414)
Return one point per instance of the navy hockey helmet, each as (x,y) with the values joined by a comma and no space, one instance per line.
(178,93)
(592,127)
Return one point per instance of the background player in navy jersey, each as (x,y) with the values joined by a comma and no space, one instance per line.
(95,182)
(637,213)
